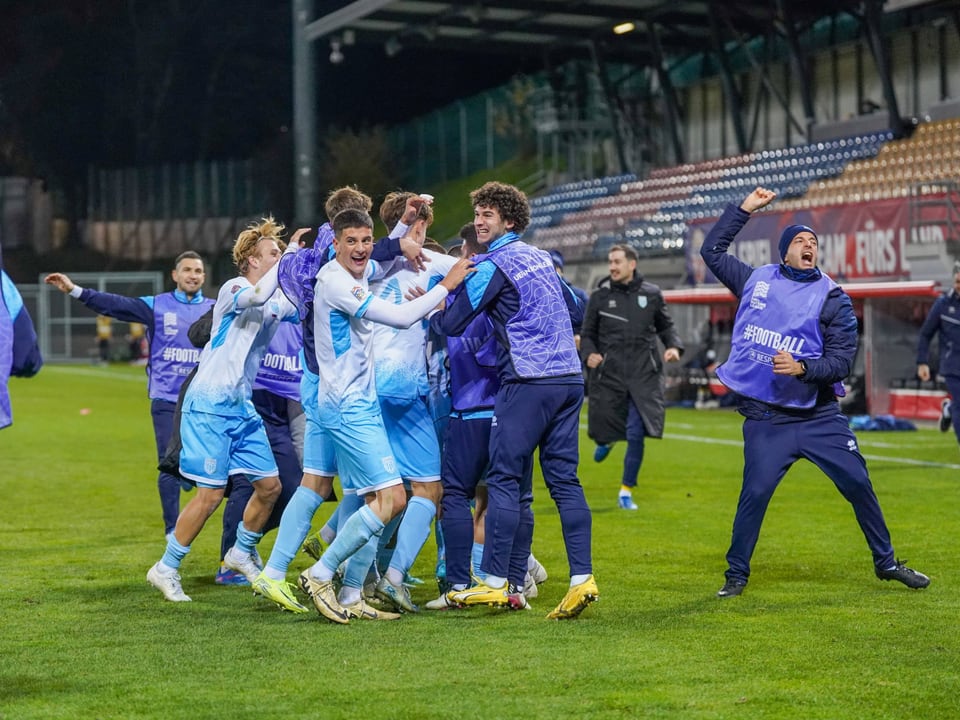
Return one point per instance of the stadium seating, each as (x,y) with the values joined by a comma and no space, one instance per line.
(584,219)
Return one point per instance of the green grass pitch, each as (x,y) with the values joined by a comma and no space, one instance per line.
(815,635)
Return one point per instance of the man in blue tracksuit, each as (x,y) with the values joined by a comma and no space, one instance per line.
(944,318)
(794,338)
(167,318)
(538,404)
(19,353)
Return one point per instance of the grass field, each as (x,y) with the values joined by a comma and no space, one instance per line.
(815,635)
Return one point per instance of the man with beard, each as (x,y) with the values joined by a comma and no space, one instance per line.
(618,342)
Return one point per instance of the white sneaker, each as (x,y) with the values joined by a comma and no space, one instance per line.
(443,603)
(244,564)
(168,583)
(535,575)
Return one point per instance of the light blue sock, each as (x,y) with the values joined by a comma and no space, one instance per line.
(175,552)
(349,504)
(386,548)
(359,564)
(441,569)
(294,527)
(353,535)
(476,555)
(329,530)
(412,534)
(246,539)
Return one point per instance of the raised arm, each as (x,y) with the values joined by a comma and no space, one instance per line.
(728,269)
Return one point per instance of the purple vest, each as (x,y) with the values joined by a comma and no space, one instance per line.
(172,355)
(539,334)
(473,366)
(775,313)
(6,359)
(280,370)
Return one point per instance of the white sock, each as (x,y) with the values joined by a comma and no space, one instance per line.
(577,579)
(395,576)
(274,574)
(349,595)
(493,581)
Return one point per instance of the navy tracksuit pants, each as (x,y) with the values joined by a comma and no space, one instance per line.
(953,387)
(162,412)
(466,455)
(528,416)
(770,447)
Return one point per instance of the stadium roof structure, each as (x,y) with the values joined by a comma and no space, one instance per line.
(647,30)
(652,34)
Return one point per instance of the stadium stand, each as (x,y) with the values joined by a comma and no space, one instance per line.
(583,220)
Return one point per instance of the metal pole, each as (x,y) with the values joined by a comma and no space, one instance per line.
(304,116)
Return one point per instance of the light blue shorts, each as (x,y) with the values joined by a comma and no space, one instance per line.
(217,446)
(413,438)
(319,454)
(363,452)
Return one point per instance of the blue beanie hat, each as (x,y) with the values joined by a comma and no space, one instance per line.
(789,233)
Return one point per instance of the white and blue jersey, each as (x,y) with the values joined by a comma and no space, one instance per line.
(401,365)
(231,359)
(221,431)
(344,315)
(401,373)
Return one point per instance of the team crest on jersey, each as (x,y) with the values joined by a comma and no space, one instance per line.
(642,301)
(234,289)
(358,292)
(389,464)
(210,466)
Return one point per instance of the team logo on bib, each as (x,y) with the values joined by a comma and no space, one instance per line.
(760,293)
(642,301)
(170,323)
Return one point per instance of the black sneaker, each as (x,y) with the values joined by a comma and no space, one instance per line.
(901,573)
(732,588)
(945,415)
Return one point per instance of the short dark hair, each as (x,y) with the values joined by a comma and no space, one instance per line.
(468,231)
(351,218)
(627,250)
(187,255)
(509,201)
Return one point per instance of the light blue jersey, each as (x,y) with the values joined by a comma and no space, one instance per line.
(344,315)
(401,363)
(401,372)
(231,359)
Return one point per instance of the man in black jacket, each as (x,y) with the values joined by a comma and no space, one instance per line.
(624,318)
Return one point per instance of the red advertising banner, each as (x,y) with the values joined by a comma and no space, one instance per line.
(861,241)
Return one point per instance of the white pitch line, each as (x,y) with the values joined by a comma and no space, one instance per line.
(877,458)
